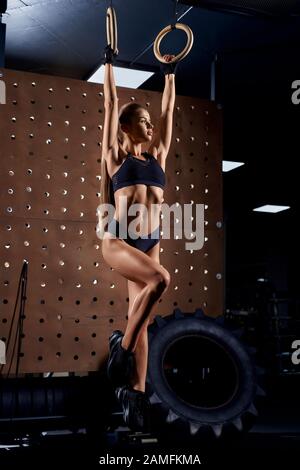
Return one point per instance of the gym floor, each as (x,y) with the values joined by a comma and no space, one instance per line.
(274,439)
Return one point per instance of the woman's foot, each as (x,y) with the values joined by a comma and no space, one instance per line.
(120,364)
(136,408)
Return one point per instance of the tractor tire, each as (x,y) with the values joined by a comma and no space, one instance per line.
(201,379)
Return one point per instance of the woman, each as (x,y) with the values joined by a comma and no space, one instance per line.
(137,177)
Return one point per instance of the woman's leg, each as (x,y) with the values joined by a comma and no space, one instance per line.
(141,351)
(138,381)
(138,267)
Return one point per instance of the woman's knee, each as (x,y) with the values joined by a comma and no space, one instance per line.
(160,281)
(167,276)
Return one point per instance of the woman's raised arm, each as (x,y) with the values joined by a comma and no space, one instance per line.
(163,137)
(111,118)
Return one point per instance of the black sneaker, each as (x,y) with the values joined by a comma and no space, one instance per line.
(114,337)
(120,362)
(136,408)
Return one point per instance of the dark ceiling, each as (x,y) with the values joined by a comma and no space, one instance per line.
(257,43)
(66,37)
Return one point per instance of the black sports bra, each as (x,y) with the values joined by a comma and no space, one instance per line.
(136,171)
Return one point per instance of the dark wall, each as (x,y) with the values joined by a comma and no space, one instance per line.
(260,129)
(2,44)
(3,6)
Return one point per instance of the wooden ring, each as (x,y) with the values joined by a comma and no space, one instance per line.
(111,29)
(183,53)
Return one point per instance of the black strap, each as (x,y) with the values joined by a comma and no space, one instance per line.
(175,15)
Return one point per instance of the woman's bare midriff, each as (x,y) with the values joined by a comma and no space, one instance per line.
(150,197)
(146,217)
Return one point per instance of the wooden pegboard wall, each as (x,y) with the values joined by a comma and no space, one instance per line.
(51,129)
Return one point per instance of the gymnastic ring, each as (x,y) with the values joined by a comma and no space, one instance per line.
(111,29)
(183,53)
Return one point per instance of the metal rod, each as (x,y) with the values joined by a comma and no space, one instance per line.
(175,11)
